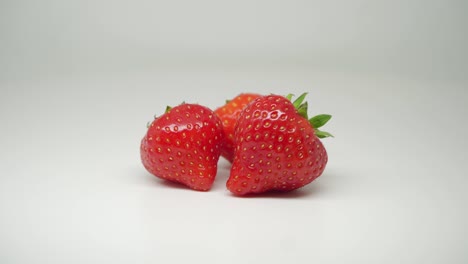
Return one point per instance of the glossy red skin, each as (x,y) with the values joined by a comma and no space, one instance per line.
(276,149)
(184,146)
(229,113)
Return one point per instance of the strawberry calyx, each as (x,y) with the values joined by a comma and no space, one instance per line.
(317,121)
(168,109)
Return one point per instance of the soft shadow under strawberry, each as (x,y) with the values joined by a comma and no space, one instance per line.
(154,181)
(301,193)
(318,188)
(173,185)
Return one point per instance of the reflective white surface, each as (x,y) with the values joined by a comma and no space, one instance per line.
(72,188)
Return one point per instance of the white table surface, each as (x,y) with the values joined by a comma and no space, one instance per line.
(73,190)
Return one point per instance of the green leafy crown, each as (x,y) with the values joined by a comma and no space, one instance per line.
(317,121)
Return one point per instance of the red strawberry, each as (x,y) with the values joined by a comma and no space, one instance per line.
(277,148)
(228,114)
(184,146)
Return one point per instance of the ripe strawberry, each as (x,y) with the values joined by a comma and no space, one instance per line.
(228,114)
(183,145)
(277,148)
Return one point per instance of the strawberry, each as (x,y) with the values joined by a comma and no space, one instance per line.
(183,145)
(277,147)
(228,114)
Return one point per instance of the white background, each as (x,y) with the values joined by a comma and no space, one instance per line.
(80,79)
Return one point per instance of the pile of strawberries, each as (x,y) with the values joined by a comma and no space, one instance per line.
(270,141)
